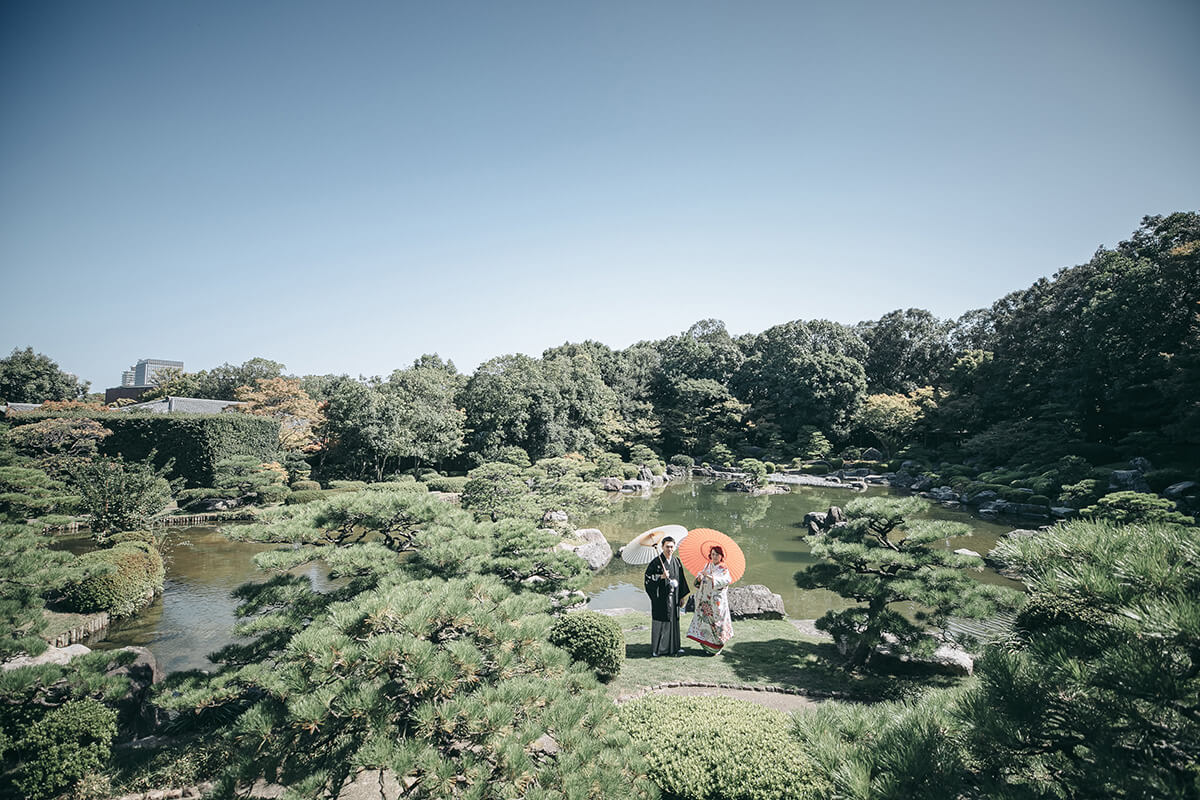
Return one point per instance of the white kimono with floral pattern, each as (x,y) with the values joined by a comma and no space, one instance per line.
(712,626)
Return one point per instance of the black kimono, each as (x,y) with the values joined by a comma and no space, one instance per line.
(664,603)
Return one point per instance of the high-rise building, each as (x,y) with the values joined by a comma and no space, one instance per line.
(146,369)
(127,377)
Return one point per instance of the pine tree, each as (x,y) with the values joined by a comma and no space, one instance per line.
(447,684)
(1099,694)
(28,570)
(883,556)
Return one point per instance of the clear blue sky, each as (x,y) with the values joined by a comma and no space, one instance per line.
(345,186)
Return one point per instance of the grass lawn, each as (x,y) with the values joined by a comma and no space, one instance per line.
(761,653)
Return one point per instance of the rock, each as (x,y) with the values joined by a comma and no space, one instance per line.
(1181,490)
(555,516)
(872,454)
(755,601)
(1021,533)
(595,549)
(901,479)
(738,486)
(943,494)
(374,784)
(980,498)
(1063,512)
(611,484)
(645,474)
(657,481)
(51,655)
(835,516)
(922,484)
(861,472)
(544,745)
(947,659)
(134,710)
(635,486)
(207,505)
(1128,480)
(962,551)
(814,522)
(1140,464)
(676,471)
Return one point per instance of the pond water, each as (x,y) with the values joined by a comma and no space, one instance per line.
(769,530)
(195,615)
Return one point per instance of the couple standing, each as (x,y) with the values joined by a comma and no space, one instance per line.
(667,585)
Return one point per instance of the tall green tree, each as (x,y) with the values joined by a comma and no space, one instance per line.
(905,350)
(433,424)
(884,555)
(120,495)
(29,377)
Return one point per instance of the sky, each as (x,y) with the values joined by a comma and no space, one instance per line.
(343,187)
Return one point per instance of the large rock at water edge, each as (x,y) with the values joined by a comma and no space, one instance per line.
(755,601)
(595,549)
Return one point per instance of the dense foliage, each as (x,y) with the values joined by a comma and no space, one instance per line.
(428,660)
(1098,695)
(70,741)
(29,377)
(119,495)
(718,748)
(594,639)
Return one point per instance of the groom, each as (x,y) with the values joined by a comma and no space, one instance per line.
(667,586)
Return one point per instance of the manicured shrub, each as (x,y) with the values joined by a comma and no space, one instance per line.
(398,485)
(1132,508)
(770,465)
(276,493)
(66,744)
(1083,493)
(835,462)
(128,576)
(815,469)
(302,496)
(592,638)
(147,537)
(1038,500)
(441,483)
(630,471)
(304,486)
(681,460)
(348,486)
(705,748)
(195,441)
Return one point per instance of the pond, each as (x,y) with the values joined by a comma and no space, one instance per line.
(195,615)
(769,530)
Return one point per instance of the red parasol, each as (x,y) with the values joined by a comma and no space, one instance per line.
(693,552)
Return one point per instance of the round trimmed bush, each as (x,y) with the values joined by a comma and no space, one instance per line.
(305,486)
(302,496)
(441,483)
(682,460)
(815,469)
(68,743)
(717,747)
(594,639)
(130,574)
(348,486)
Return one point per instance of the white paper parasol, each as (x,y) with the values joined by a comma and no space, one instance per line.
(644,547)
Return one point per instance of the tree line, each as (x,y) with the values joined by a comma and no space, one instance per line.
(1100,361)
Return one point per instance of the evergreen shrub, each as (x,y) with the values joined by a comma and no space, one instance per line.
(705,748)
(815,469)
(682,460)
(1038,500)
(398,485)
(594,639)
(835,462)
(276,493)
(130,574)
(301,496)
(441,483)
(348,486)
(302,486)
(630,471)
(66,744)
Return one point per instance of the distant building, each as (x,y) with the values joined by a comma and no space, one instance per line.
(139,379)
(184,405)
(146,369)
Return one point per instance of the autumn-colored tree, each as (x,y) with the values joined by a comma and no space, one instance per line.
(283,399)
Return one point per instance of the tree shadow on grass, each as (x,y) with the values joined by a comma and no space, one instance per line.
(816,667)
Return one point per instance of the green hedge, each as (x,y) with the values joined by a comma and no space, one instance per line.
(705,748)
(196,441)
(440,483)
(592,638)
(301,486)
(131,573)
(301,496)
(71,741)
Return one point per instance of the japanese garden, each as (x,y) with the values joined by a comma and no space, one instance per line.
(404,585)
